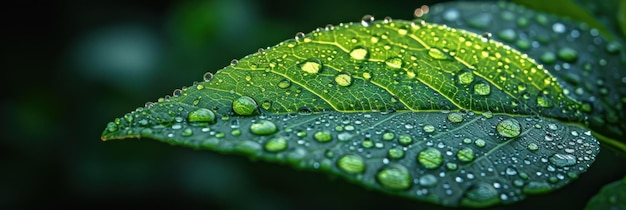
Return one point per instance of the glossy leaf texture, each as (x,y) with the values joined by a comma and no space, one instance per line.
(588,67)
(611,196)
(405,107)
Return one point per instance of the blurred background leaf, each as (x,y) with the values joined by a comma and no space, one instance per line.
(72,65)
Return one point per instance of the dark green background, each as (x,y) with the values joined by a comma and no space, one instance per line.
(72,66)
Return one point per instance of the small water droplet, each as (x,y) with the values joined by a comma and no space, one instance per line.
(437,54)
(263,127)
(276,144)
(343,79)
(482,89)
(567,54)
(466,154)
(234,62)
(244,105)
(359,53)
(480,194)
(187,132)
(394,177)
(367,20)
(563,160)
(387,19)
(177,92)
(455,117)
(208,76)
(466,77)
(533,147)
(388,136)
(429,128)
(395,153)
(352,164)
(201,115)
(312,66)
(394,63)
(480,143)
(430,158)
(323,136)
(405,139)
(428,180)
(299,36)
(509,128)
(285,83)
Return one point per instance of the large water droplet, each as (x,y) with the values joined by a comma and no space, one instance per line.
(396,153)
(343,79)
(563,160)
(430,158)
(359,53)
(405,139)
(367,20)
(394,63)
(352,164)
(285,83)
(395,177)
(201,115)
(509,128)
(323,136)
(465,155)
(263,127)
(276,144)
(312,66)
(244,105)
(466,78)
(480,195)
(455,117)
(437,54)
(482,89)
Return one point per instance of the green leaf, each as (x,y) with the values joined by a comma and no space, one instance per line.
(588,67)
(408,108)
(611,196)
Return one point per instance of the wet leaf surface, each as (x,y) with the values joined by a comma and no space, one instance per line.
(405,107)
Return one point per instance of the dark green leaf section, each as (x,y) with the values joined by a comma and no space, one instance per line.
(611,196)
(409,108)
(453,159)
(587,65)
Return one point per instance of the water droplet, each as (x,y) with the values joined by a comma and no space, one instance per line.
(234,62)
(486,36)
(177,92)
(299,36)
(543,101)
(567,54)
(396,153)
(343,79)
(267,104)
(507,35)
(613,47)
(367,20)
(323,136)
(285,83)
(352,164)
(395,177)
(430,158)
(388,136)
(480,195)
(312,66)
(480,143)
(547,57)
(276,144)
(487,114)
(509,128)
(428,180)
(558,28)
(187,132)
(455,117)
(482,89)
(201,115)
(405,139)
(451,166)
(511,171)
(563,160)
(429,128)
(394,63)
(359,53)
(451,14)
(344,136)
(465,155)
(208,76)
(387,19)
(533,147)
(437,54)
(466,77)
(263,127)
(244,105)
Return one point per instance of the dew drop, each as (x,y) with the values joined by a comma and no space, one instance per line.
(394,177)
(567,54)
(267,105)
(480,143)
(430,158)
(466,78)
(352,164)
(429,128)
(343,79)
(388,136)
(276,144)
(299,36)
(263,127)
(509,128)
(437,54)
(187,132)
(234,62)
(405,139)
(201,115)
(465,155)
(455,117)
(533,147)
(323,136)
(208,76)
(394,63)
(563,160)
(396,153)
(480,194)
(428,180)
(359,53)
(482,89)
(285,83)
(507,35)
(367,20)
(244,105)
(312,66)
(387,19)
